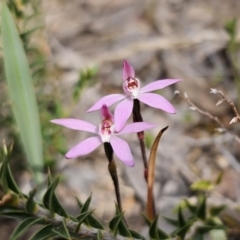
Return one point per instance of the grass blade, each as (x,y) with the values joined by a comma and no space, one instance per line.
(22,93)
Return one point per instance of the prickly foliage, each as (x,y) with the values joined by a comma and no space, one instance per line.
(54,220)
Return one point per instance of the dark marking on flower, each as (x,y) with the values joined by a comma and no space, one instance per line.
(105,127)
(132,83)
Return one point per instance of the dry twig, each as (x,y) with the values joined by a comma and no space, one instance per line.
(230,102)
(209,115)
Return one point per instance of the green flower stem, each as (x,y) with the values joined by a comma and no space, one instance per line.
(19,203)
(112,168)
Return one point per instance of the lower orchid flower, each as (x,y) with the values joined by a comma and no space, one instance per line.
(105,132)
(132,89)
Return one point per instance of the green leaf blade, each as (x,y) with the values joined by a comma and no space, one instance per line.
(202,208)
(86,205)
(190,207)
(24,225)
(51,201)
(93,222)
(22,93)
(123,229)
(62,231)
(136,235)
(13,213)
(181,220)
(216,210)
(30,204)
(171,221)
(155,232)
(81,218)
(44,233)
(181,232)
(114,223)
(99,235)
(202,185)
(205,229)
(90,220)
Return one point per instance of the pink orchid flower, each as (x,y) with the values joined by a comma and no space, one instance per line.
(132,89)
(105,132)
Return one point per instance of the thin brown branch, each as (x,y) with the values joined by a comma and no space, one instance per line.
(209,115)
(232,105)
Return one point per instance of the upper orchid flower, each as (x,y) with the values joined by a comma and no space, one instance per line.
(105,132)
(132,89)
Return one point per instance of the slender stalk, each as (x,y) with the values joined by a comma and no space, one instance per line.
(112,168)
(137,117)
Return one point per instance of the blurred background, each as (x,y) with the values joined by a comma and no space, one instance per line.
(75,51)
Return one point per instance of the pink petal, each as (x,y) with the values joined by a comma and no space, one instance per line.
(136,127)
(122,113)
(76,124)
(159,84)
(128,71)
(122,150)
(108,100)
(84,147)
(156,101)
(106,114)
